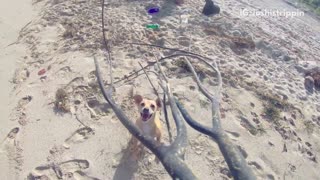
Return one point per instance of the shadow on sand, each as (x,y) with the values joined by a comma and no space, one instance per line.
(128,165)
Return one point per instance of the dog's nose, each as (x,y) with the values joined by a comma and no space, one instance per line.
(145,110)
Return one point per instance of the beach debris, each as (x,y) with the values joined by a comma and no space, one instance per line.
(41,72)
(210,8)
(20,75)
(315,75)
(62,100)
(153,26)
(153,10)
(179,2)
(309,83)
(270,143)
(27,98)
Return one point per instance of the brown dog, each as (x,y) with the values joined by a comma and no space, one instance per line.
(149,120)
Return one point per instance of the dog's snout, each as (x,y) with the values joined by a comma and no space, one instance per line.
(145,110)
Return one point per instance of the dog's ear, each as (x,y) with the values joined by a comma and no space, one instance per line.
(137,99)
(159,103)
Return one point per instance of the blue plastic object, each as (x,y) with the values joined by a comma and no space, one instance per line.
(153,10)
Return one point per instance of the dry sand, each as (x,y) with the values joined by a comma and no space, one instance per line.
(265,108)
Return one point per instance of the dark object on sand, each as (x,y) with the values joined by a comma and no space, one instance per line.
(315,75)
(210,8)
(153,10)
(179,2)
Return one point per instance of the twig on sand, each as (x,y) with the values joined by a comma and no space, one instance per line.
(154,89)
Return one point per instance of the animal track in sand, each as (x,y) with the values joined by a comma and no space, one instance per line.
(67,170)
(79,136)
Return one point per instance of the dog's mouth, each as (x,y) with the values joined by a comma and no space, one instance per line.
(145,116)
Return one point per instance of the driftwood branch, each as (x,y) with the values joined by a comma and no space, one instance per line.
(192,55)
(170,156)
(164,102)
(235,160)
(154,88)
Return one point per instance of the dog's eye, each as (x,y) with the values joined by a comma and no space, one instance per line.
(152,106)
(142,104)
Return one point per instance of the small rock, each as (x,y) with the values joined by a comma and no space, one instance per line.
(210,9)
(265,77)
(179,2)
(192,88)
(309,83)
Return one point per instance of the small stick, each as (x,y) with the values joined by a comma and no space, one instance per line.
(154,89)
(164,101)
(166,117)
(165,108)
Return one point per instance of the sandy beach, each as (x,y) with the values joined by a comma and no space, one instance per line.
(55,123)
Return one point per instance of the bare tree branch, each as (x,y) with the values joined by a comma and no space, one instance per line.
(105,42)
(164,104)
(154,89)
(170,156)
(172,49)
(235,160)
(166,117)
(201,58)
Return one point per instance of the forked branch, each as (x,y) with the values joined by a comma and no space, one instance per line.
(235,160)
(170,156)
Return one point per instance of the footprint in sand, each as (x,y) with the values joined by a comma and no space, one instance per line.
(9,140)
(11,135)
(68,170)
(12,154)
(79,136)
